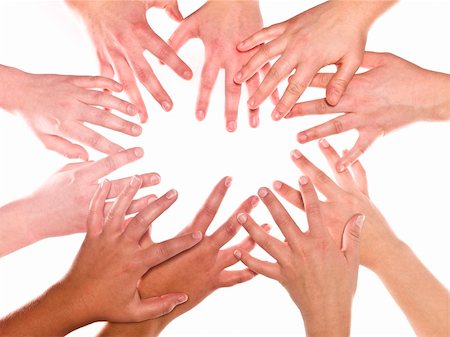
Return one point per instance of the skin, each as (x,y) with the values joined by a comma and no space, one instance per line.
(422,298)
(57,106)
(65,197)
(319,276)
(333,32)
(102,283)
(121,34)
(393,93)
(197,272)
(221,25)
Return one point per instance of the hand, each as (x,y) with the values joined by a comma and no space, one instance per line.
(121,34)
(319,275)
(170,6)
(199,271)
(392,94)
(57,106)
(343,199)
(305,43)
(221,25)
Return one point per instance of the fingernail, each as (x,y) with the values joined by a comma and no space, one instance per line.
(302,138)
(135,181)
(136,130)
(103,183)
(251,102)
(131,109)
(360,220)
(197,235)
(139,152)
(296,154)
(166,105)
(242,218)
(266,227)
(263,192)
(254,121)
(187,74)
(241,44)
(118,86)
(276,116)
(303,180)
(182,299)
(277,185)
(324,143)
(200,115)
(228,181)
(231,126)
(341,168)
(155,179)
(237,254)
(171,194)
(238,76)
(254,201)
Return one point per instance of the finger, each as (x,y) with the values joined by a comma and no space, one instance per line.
(339,82)
(116,216)
(264,54)
(232,97)
(142,221)
(344,178)
(320,180)
(91,82)
(351,239)
(174,12)
(88,137)
(181,35)
(282,218)
(136,205)
(271,245)
(275,97)
(63,146)
(373,60)
(321,80)
(160,252)
(155,307)
(252,86)
(107,165)
(209,209)
(279,71)
(335,126)
(96,209)
(230,228)
(229,278)
(148,179)
(365,139)
(126,77)
(108,101)
(360,177)
(289,193)
(158,47)
(265,268)
(317,107)
(208,79)
(265,34)
(297,85)
(312,207)
(110,121)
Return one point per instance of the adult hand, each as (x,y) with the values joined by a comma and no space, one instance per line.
(121,34)
(392,94)
(221,25)
(333,32)
(319,275)
(199,271)
(57,106)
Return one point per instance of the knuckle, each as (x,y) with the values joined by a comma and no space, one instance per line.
(321,177)
(274,74)
(338,85)
(233,88)
(110,164)
(162,250)
(322,106)
(296,88)
(163,52)
(265,50)
(230,228)
(338,126)
(208,211)
(313,209)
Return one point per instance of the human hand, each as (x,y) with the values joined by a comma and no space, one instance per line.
(121,34)
(392,94)
(221,25)
(305,43)
(57,106)
(170,6)
(348,196)
(319,275)
(117,253)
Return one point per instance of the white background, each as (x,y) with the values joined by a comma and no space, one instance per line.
(408,170)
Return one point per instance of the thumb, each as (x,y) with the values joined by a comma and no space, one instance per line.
(174,12)
(181,35)
(155,307)
(352,238)
(339,82)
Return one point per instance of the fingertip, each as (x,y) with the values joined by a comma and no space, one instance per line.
(231,126)
(341,166)
(200,114)
(237,254)
(302,138)
(304,180)
(227,182)
(117,87)
(155,179)
(182,299)
(254,121)
(138,152)
(254,201)
(262,192)
(296,154)
(167,105)
(187,74)
(277,185)
(324,143)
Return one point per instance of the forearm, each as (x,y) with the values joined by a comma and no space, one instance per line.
(55,313)
(422,298)
(11,81)
(151,328)
(435,97)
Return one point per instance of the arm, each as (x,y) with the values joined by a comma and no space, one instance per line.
(333,32)
(115,254)
(393,93)
(423,299)
(23,222)
(221,25)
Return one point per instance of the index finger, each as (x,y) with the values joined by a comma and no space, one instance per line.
(312,206)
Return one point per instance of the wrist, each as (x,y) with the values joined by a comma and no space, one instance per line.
(436,106)
(393,254)
(12,81)
(335,324)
